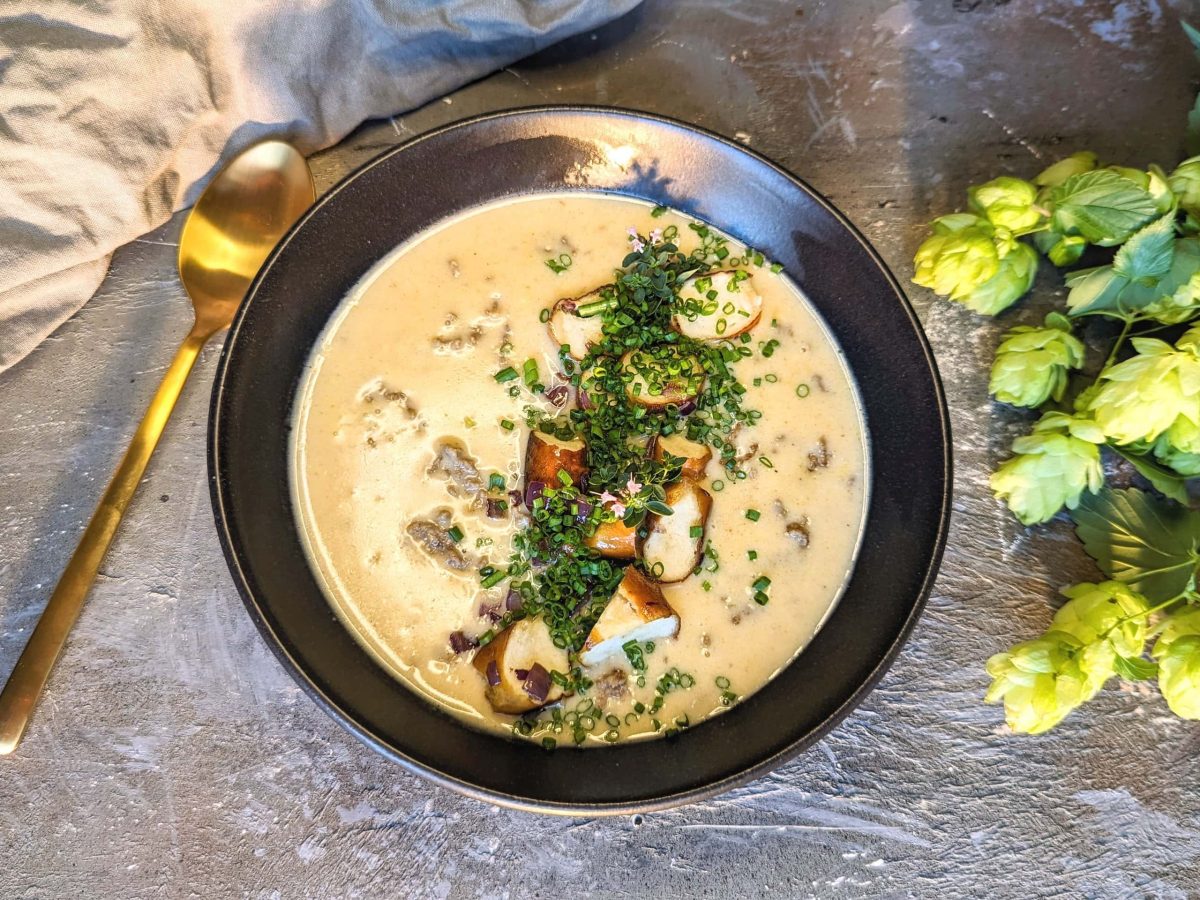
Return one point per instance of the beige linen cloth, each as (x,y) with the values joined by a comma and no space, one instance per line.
(114,112)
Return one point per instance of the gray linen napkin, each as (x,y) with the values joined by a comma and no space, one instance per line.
(114,112)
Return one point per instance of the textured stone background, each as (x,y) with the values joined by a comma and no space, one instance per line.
(172,757)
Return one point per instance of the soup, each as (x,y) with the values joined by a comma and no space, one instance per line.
(579,469)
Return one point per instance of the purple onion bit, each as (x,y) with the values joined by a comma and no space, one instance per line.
(585,400)
(537,683)
(495,510)
(559,395)
(567,305)
(460,643)
(585,510)
(490,610)
(515,499)
(521,674)
(493,674)
(533,490)
(514,601)
(687,407)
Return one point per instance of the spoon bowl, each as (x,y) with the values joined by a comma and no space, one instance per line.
(236,223)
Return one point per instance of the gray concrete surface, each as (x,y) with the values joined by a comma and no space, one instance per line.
(172,756)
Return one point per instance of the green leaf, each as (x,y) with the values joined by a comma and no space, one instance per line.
(656,506)
(1148,254)
(1134,668)
(1103,206)
(1095,290)
(1147,543)
(1192,135)
(1193,36)
(1166,482)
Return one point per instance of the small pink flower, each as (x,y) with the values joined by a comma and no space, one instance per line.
(608,498)
(637,246)
(618,509)
(632,232)
(633,487)
(656,236)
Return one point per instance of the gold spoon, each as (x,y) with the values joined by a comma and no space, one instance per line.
(234,225)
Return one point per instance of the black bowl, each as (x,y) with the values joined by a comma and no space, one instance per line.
(407,189)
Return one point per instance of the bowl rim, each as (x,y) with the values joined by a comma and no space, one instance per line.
(513,801)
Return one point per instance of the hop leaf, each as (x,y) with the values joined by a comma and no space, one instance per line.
(1178,654)
(1051,469)
(1042,680)
(1102,206)
(1101,612)
(1033,364)
(1075,164)
(1009,203)
(1060,249)
(1186,464)
(1143,397)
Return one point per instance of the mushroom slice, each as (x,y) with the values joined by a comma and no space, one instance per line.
(546,456)
(614,540)
(517,664)
(696,456)
(662,377)
(637,612)
(737,306)
(676,542)
(575,331)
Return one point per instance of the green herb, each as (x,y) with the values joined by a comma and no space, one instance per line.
(508,424)
(496,482)
(454,533)
(753,515)
(766,462)
(544,316)
(506,374)
(530,372)
(776,268)
(469,422)
(1142,403)
(696,531)
(559,264)
(752,555)
(658,211)
(802,391)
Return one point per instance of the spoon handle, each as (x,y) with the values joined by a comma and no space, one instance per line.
(24,686)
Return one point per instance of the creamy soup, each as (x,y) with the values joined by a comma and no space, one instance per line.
(681,515)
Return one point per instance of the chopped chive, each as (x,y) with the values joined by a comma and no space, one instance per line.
(469,422)
(758,382)
(722,252)
(752,555)
(766,461)
(544,316)
(495,578)
(721,325)
(454,533)
(761,599)
(507,424)
(802,391)
(508,373)
(722,682)
(696,531)
(753,515)
(658,211)
(496,482)
(549,743)
(771,377)
(530,371)
(718,485)
(761,583)
(559,264)
(776,268)
(707,585)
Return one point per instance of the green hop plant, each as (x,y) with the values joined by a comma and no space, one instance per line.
(1008,203)
(1178,306)
(1153,181)
(1156,391)
(1042,680)
(1034,364)
(1052,468)
(1075,164)
(1060,249)
(1177,652)
(1185,182)
(1186,464)
(975,263)
(1107,612)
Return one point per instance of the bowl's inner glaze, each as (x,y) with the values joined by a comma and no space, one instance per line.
(406,190)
